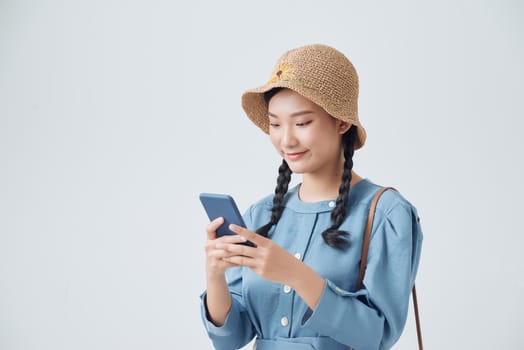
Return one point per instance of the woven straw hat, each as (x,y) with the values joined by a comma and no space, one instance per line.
(321,74)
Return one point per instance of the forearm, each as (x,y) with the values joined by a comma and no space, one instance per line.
(307,283)
(218,299)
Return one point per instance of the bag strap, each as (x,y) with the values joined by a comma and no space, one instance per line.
(363,261)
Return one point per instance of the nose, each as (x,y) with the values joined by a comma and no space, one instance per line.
(288,138)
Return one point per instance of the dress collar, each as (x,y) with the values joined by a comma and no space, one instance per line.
(293,202)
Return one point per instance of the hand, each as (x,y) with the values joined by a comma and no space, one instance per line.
(216,264)
(267,259)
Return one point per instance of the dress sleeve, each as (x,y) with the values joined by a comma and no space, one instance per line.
(237,330)
(374,316)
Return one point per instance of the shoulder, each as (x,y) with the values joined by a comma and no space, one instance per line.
(392,200)
(259,213)
(266,203)
(396,218)
(391,203)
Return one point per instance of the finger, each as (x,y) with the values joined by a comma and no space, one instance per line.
(213,226)
(231,239)
(237,249)
(219,254)
(249,235)
(227,264)
(241,260)
(227,248)
(218,259)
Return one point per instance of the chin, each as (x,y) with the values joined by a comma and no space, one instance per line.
(297,169)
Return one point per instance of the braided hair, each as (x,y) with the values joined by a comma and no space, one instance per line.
(284,176)
(332,236)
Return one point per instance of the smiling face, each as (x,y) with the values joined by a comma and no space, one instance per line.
(307,137)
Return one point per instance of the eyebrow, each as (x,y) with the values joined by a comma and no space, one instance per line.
(296,114)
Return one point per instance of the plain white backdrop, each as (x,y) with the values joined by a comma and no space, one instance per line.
(115,114)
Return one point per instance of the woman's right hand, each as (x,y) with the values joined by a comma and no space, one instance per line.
(215,265)
(218,299)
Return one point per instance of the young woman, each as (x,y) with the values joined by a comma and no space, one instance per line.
(297,288)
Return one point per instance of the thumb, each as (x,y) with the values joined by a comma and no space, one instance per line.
(213,226)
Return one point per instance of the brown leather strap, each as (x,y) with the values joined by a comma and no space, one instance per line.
(364,259)
(367,236)
(417,318)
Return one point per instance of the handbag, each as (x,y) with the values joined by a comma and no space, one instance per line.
(363,261)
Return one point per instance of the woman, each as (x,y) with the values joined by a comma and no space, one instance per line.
(297,288)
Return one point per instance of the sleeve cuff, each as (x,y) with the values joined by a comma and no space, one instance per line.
(230,324)
(328,301)
(334,307)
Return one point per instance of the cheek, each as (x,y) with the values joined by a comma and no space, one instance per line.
(315,138)
(325,143)
(275,140)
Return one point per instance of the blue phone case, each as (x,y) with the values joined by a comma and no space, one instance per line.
(223,205)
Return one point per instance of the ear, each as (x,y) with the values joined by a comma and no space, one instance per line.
(343,126)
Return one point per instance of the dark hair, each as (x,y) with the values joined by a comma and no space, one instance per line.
(332,236)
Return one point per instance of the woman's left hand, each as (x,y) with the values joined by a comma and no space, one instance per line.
(267,259)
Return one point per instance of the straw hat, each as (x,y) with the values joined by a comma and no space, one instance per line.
(321,74)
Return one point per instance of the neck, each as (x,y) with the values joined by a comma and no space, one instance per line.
(318,187)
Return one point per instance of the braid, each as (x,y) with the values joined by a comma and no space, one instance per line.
(284,176)
(333,236)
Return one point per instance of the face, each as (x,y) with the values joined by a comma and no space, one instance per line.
(305,135)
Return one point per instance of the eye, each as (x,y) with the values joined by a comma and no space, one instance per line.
(304,123)
(274,125)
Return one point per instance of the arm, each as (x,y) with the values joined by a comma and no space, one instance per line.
(267,259)
(222,309)
(373,317)
(218,299)
(307,283)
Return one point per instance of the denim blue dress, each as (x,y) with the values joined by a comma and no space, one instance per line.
(366,319)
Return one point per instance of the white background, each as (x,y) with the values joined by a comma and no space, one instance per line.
(114,115)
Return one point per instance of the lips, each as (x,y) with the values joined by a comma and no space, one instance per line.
(295,155)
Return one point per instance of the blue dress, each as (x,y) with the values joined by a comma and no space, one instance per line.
(370,318)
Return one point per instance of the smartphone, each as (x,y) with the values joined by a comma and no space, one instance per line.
(223,205)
